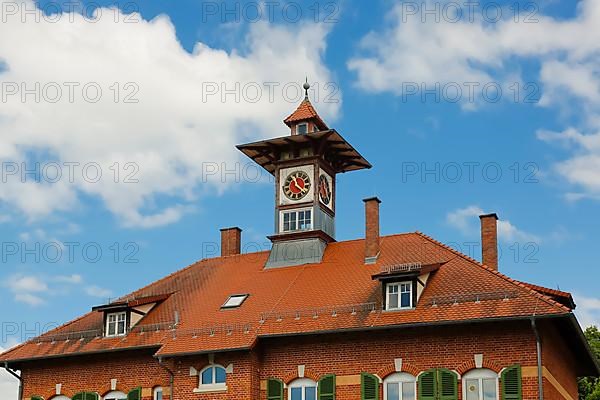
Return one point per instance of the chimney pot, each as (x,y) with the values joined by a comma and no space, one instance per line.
(231,241)
(371,229)
(489,240)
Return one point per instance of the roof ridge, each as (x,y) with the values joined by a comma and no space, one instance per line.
(497,273)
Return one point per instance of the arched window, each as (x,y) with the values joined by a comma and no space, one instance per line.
(480,384)
(115,396)
(400,386)
(212,379)
(60,398)
(302,389)
(158,393)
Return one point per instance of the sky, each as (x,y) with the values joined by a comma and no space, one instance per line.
(118,126)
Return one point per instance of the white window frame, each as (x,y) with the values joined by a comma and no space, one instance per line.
(115,395)
(116,323)
(399,293)
(156,391)
(235,301)
(480,374)
(298,128)
(296,211)
(211,387)
(302,383)
(399,377)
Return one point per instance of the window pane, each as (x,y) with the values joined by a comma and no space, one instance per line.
(408,391)
(489,389)
(207,376)
(220,375)
(121,317)
(293,221)
(393,391)
(111,328)
(393,300)
(473,389)
(112,318)
(405,300)
(311,393)
(393,288)
(302,129)
(296,393)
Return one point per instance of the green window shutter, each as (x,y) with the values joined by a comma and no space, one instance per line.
(369,387)
(79,396)
(511,383)
(427,385)
(37,398)
(90,396)
(448,385)
(326,388)
(135,394)
(274,389)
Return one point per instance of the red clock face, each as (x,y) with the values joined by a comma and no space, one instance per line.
(296,185)
(324,190)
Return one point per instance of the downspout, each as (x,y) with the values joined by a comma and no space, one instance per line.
(171,374)
(538,345)
(13,373)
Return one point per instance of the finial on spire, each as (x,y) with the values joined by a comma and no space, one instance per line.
(306,86)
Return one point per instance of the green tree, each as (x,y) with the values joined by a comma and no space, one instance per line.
(589,388)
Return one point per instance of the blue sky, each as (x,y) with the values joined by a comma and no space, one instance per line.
(384,62)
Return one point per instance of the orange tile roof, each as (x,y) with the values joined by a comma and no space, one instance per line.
(336,294)
(304,112)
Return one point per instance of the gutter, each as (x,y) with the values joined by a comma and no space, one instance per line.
(171,374)
(538,345)
(13,373)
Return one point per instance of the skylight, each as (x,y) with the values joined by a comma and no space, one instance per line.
(234,300)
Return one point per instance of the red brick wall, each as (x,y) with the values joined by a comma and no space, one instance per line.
(420,349)
(453,347)
(94,374)
(558,358)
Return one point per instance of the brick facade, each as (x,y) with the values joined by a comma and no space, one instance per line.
(343,354)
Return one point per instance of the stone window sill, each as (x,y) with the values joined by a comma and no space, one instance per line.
(211,388)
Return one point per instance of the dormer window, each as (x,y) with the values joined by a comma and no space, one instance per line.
(116,324)
(302,129)
(399,295)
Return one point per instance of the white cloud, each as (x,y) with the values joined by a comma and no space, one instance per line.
(565,49)
(588,310)
(429,51)
(466,220)
(31,290)
(70,279)
(581,169)
(170,134)
(462,218)
(97,291)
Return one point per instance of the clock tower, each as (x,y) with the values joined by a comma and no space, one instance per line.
(305,164)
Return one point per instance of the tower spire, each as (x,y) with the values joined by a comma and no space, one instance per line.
(306,86)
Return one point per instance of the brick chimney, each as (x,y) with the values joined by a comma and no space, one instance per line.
(371,229)
(489,240)
(231,241)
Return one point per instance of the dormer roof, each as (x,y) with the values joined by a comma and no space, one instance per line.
(306,112)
